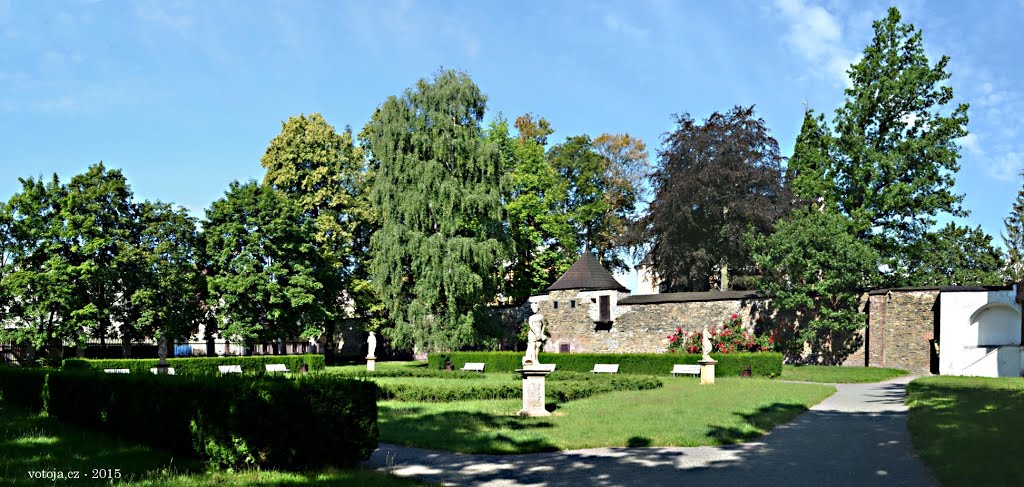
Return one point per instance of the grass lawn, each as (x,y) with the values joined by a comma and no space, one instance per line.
(30,443)
(683,413)
(969,429)
(360,367)
(837,374)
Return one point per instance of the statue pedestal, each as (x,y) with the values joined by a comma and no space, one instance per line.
(707,371)
(161,368)
(371,363)
(533,389)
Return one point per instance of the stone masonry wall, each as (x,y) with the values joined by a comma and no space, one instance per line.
(900,325)
(637,328)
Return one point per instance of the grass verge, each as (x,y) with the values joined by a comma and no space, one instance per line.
(45,446)
(838,375)
(968,429)
(675,415)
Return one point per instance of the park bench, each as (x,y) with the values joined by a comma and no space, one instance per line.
(170,370)
(474,366)
(606,369)
(688,369)
(276,368)
(230,369)
(117,371)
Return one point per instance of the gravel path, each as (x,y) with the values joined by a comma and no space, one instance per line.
(857,437)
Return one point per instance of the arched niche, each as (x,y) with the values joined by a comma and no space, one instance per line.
(996,324)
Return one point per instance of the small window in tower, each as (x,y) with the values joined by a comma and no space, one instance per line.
(572,303)
(555,303)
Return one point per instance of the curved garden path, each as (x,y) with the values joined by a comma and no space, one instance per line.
(856,437)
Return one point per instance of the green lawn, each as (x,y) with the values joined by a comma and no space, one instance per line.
(360,367)
(683,413)
(969,429)
(836,374)
(30,443)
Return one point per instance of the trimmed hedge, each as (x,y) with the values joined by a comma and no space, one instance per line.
(762,364)
(424,373)
(202,365)
(561,391)
(234,421)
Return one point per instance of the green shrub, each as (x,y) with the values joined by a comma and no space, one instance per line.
(233,421)
(202,365)
(427,373)
(762,364)
(562,391)
(23,386)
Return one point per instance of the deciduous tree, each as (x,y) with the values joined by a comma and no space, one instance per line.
(437,195)
(715,181)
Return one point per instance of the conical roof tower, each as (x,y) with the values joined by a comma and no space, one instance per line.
(587,274)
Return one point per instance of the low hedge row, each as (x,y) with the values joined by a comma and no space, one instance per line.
(237,422)
(202,365)
(762,364)
(426,373)
(562,391)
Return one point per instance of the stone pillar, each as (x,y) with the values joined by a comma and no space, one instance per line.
(533,389)
(371,364)
(707,371)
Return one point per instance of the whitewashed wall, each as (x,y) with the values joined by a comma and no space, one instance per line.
(979,334)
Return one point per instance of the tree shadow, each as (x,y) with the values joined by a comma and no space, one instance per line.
(759,422)
(463,431)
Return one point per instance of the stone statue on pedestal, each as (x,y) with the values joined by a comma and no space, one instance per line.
(161,349)
(371,343)
(534,337)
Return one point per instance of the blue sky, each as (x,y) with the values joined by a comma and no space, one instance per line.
(184,96)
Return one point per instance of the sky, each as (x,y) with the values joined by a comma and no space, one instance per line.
(184,96)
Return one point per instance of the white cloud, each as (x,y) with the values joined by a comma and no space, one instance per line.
(1007,167)
(970,142)
(817,36)
(155,13)
(618,26)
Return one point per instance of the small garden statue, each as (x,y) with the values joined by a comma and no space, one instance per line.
(371,343)
(534,337)
(705,343)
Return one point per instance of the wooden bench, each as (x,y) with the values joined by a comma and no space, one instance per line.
(474,366)
(117,371)
(230,369)
(276,368)
(688,369)
(606,369)
(170,370)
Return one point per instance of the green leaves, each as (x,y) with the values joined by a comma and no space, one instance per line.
(437,194)
(263,264)
(813,265)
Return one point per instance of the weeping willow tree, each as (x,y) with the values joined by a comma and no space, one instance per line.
(437,194)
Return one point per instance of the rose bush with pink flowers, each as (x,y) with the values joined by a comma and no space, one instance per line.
(728,337)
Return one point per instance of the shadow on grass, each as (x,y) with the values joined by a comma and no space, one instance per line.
(808,448)
(463,431)
(44,446)
(968,430)
(759,422)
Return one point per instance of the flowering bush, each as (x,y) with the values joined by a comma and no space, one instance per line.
(727,337)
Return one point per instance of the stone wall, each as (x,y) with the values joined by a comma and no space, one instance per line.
(637,328)
(901,325)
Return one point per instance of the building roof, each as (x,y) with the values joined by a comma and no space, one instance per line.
(587,274)
(944,289)
(690,297)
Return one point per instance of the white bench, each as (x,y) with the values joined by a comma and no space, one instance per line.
(276,368)
(688,369)
(170,370)
(117,371)
(606,369)
(474,366)
(230,369)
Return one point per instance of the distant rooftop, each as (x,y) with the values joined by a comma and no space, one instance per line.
(587,274)
(690,297)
